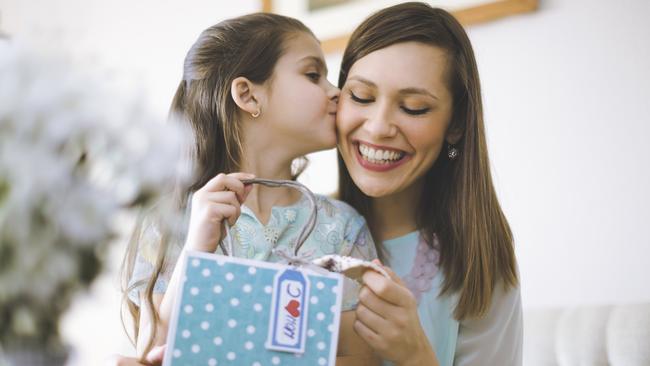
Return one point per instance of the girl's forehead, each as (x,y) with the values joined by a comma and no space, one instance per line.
(302,45)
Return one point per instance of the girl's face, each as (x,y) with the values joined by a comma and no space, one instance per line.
(393,115)
(301,103)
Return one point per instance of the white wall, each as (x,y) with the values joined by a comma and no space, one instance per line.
(145,40)
(566,95)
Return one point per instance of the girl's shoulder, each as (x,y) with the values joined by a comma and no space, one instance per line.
(335,209)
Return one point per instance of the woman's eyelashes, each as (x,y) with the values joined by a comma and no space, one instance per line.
(360,100)
(405,109)
(415,112)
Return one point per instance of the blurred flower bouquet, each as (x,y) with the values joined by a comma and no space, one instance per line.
(73,155)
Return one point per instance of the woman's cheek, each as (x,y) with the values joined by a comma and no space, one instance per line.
(347,117)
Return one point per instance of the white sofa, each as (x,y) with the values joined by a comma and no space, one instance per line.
(617,335)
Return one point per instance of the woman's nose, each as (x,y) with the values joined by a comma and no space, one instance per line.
(379,123)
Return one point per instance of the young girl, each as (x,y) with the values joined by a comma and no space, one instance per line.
(255,93)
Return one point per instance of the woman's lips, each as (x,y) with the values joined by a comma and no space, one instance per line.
(377,158)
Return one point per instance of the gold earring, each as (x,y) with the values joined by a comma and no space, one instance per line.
(257,113)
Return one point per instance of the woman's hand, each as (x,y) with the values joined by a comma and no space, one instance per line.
(388,321)
(219,199)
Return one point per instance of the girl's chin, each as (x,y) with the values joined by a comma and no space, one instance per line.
(326,141)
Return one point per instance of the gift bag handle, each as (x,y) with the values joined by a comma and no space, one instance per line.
(227,243)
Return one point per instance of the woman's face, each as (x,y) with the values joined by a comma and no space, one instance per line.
(301,102)
(393,115)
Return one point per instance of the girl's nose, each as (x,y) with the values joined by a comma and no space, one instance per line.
(333,92)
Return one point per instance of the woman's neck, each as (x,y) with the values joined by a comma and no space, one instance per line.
(396,215)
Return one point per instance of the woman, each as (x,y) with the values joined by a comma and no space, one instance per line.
(413,160)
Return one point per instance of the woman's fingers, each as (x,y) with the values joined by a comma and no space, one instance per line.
(390,272)
(387,289)
(373,339)
(376,304)
(370,319)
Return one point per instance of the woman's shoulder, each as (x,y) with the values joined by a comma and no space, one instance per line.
(480,338)
(505,302)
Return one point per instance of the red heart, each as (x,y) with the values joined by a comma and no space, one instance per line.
(292,308)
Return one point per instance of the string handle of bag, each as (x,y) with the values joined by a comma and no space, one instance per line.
(227,243)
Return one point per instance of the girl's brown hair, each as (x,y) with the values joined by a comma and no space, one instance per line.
(247,46)
(459,203)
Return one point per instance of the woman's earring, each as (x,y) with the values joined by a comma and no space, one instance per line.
(257,113)
(452,152)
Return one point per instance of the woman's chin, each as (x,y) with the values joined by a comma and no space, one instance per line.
(374,187)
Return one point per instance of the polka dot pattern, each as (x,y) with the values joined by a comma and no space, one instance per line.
(225,313)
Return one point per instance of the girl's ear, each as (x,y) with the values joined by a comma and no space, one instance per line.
(244,93)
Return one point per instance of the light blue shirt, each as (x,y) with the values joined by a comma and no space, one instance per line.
(435,312)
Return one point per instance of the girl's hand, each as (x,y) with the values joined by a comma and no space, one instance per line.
(388,321)
(219,199)
(154,358)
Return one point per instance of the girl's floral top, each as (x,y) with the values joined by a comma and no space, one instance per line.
(339,230)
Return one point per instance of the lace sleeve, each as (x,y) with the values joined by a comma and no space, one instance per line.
(148,243)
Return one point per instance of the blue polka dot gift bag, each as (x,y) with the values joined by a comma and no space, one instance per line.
(236,311)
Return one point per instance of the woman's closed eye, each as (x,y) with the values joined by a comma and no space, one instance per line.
(415,111)
(359,99)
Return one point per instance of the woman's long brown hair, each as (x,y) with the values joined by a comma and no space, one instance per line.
(459,203)
(247,46)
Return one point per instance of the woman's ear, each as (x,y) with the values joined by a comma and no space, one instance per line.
(453,135)
(244,93)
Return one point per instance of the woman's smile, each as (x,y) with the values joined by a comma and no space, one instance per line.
(379,158)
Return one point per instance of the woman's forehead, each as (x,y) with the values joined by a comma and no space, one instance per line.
(402,65)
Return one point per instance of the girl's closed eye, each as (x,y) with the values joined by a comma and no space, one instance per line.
(313,76)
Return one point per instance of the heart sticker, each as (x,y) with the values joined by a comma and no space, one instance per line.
(293,307)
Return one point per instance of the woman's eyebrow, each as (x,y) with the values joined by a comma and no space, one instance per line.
(405,91)
(421,91)
(363,80)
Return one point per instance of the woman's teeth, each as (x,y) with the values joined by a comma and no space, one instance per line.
(378,156)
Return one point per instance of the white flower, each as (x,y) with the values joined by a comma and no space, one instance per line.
(74,155)
(290,215)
